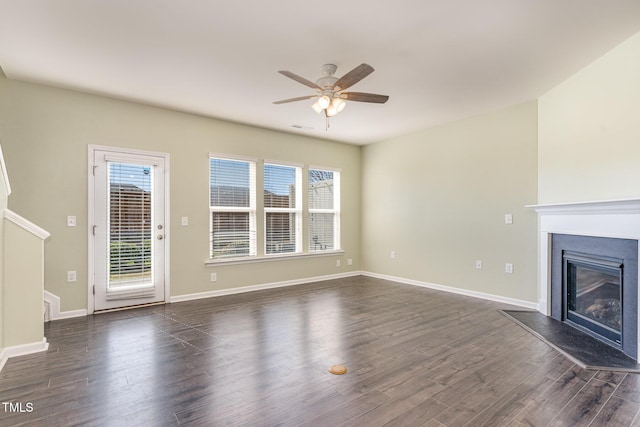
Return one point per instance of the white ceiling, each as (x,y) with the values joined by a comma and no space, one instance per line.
(437,60)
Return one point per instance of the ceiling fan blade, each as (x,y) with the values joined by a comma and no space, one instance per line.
(300,98)
(354,76)
(300,79)
(364,97)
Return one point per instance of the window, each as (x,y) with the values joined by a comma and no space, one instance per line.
(232,207)
(287,226)
(282,208)
(324,210)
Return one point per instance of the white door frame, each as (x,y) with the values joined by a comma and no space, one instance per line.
(91,217)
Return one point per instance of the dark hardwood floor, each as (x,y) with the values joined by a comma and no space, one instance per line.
(416,357)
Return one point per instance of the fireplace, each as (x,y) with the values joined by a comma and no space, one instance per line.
(592,288)
(588,258)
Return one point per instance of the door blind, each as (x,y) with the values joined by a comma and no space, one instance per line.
(130,228)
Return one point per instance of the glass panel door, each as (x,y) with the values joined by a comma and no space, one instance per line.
(129,235)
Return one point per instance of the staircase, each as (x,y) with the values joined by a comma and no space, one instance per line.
(21,279)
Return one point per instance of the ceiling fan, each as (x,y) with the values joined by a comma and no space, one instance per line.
(329,90)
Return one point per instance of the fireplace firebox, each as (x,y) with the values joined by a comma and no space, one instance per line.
(592,287)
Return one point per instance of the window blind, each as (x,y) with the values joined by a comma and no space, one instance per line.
(324,213)
(130,227)
(282,204)
(232,207)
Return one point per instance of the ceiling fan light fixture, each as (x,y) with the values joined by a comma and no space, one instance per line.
(324,101)
(338,104)
(316,107)
(331,110)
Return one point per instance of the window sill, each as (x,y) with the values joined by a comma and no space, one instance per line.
(267,258)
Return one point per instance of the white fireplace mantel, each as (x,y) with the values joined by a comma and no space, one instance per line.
(608,218)
(591,207)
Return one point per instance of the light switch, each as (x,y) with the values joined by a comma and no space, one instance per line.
(508,218)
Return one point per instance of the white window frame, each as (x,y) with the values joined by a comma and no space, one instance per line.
(297,210)
(335,211)
(251,209)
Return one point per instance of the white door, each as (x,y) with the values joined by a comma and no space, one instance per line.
(129,229)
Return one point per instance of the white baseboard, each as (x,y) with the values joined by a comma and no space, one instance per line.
(243,289)
(21,350)
(542,307)
(69,314)
(459,291)
(54,313)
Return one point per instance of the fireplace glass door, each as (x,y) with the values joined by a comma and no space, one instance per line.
(593,289)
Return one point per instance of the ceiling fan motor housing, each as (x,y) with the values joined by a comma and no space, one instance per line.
(327,80)
(328,69)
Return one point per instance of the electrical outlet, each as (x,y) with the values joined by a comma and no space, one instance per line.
(349,261)
(214,277)
(71,276)
(478,264)
(393,254)
(508,218)
(71,221)
(508,268)
(337,263)
(184,220)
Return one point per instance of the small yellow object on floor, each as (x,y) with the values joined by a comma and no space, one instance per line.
(338,369)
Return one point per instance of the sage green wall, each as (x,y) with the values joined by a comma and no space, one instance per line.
(589,131)
(22,286)
(3,205)
(1,276)
(45,134)
(438,199)
(1,279)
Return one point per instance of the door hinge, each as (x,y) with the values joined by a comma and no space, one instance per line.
(93,229)
(94,170)
(94,289)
